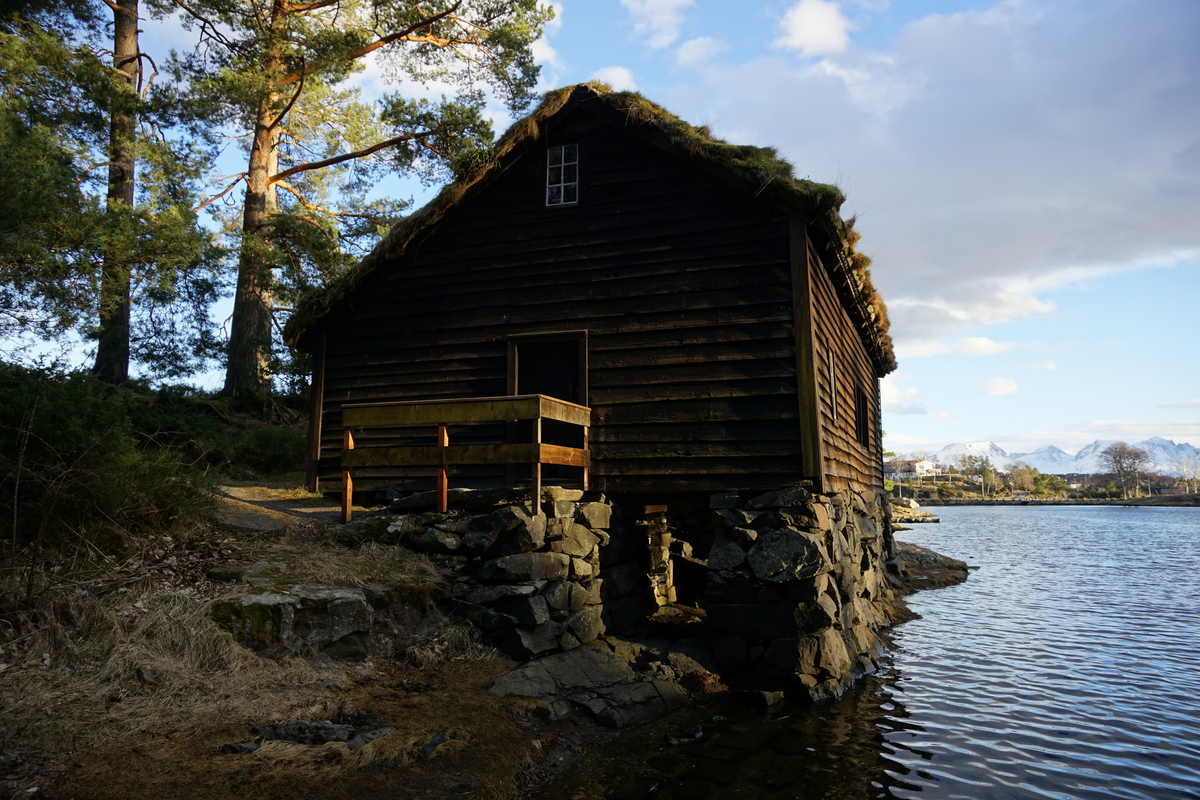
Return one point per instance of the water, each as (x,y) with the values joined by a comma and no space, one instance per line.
(1065,667)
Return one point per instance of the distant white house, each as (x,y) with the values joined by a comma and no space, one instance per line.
(926,468)
(901,470)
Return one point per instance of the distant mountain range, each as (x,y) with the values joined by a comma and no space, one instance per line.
(1164,456)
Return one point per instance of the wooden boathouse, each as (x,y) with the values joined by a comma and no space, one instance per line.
(707,311)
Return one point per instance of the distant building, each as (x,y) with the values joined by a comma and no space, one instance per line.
(926,468)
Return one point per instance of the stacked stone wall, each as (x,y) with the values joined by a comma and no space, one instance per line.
(529,581)
(798,588)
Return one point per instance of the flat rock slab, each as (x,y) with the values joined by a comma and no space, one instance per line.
(245,521)
(595,680)
(587,668)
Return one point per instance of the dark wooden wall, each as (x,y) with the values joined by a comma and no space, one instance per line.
(848,464)
(682,282)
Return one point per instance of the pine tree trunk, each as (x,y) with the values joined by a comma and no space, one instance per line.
(112,349)
(248,369)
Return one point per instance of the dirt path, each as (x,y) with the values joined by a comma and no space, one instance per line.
(274,508)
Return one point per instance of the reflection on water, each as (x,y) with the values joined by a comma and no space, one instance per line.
(1064,668)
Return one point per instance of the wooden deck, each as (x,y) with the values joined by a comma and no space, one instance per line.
(443,413)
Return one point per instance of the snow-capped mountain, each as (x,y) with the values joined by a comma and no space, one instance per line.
(1049,460)
(948,456)
(1164,454)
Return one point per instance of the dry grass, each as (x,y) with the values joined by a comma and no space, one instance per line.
(410,572)
(452,641)
(84,661)
(76,720)
(74,707)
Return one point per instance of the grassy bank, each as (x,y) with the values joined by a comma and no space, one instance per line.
(114,679)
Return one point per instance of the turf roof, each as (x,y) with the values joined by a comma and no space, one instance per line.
(759,170)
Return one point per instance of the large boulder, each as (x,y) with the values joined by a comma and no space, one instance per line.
(781,554)
(788,496)
(725,555)
(308,619)
(526,567)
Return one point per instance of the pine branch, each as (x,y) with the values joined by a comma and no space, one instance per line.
(292,102)
(228,188)
(406,35)
(329,162)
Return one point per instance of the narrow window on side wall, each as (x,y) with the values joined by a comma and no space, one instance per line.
(862,418)
(832,384)
(562,175)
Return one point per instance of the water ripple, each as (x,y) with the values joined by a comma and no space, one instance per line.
(1064,667)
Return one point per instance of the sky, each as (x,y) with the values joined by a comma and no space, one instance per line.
(1025,175)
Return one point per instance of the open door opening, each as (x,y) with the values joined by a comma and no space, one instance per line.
(553,364)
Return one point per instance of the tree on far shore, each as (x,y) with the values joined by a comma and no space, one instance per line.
(1189,468)
(1126,462)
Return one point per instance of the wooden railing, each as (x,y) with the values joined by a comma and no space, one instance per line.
(442,413)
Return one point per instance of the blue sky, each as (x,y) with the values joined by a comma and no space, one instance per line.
(1026,176)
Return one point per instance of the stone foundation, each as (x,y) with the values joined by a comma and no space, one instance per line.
(798,588)
(529,581)
(786,590)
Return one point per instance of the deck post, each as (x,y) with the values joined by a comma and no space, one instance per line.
(443,497)
(537,470)
(587,435)
(347,479)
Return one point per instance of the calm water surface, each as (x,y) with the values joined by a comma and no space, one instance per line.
(1065,667)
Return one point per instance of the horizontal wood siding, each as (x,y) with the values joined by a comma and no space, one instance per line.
(848,464)
(681,281)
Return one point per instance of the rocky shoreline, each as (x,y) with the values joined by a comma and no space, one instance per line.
(1164,501)
(361,679)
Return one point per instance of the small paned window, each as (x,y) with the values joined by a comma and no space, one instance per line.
(862,419)
(832,384)
(562,175)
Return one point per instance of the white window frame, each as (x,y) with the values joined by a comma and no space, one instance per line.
(558,173)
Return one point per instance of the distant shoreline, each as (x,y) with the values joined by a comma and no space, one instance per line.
(1168,501)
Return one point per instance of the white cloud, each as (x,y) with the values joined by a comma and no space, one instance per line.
(967,345)
(897,399)
(814,28)
(545,55)
(1012,152)
(694,52)
(872,82)
(945,415)
(980,346)
(619,78)
(1182,404)
(998,387)
(657,20)
(554,25)
(1047,365)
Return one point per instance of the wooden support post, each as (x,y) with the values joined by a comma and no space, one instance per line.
(443,498)
(537,471)
(587,435)
(347,480)
(312,477)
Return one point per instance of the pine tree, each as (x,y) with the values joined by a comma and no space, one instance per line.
(78,253)
(274,72)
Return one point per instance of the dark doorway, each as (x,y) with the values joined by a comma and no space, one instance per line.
(554,365)
(550,368)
